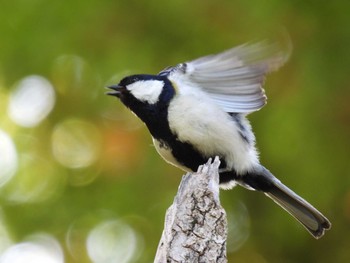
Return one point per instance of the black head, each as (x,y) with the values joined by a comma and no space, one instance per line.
(145,95)
(145,88)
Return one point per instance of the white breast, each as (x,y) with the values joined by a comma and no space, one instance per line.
(197,120)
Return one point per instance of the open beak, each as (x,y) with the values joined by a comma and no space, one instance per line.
(117,90)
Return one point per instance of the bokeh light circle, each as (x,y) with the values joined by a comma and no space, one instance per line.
(239,226)
(37,180)
(40,248)
(112,241)
(8,158)
(76,143)
(31,101)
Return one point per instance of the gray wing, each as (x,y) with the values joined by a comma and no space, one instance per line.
(234,78)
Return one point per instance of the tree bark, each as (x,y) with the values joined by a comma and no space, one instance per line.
(195,224)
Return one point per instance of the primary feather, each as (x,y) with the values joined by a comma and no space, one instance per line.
(233,79)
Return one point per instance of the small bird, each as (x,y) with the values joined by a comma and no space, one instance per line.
(197,110)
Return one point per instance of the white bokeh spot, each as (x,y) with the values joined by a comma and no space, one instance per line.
(112,241)
(8,158)
(40,248)
(31,101)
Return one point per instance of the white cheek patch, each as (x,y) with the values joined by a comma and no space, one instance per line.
(146,90)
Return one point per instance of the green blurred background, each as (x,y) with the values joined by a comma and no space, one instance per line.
(79,179)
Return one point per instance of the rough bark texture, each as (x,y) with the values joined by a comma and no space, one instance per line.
(195,224)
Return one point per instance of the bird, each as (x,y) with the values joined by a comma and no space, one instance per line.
(198,110)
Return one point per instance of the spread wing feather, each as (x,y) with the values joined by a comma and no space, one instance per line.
(234,78)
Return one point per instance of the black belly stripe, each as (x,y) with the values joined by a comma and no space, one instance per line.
(187,155)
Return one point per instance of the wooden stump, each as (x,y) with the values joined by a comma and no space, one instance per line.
(195,224)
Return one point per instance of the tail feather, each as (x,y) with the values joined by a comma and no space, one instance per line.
(300,209)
